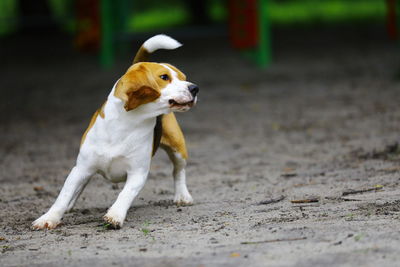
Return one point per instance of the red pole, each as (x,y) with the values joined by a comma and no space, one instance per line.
(243,23)
(391,19)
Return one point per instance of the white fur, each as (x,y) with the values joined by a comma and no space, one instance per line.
(119,147)
(182,195)
(160,41)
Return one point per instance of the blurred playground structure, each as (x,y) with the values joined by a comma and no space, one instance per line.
(103,25)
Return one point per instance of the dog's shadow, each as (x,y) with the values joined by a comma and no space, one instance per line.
(136,214)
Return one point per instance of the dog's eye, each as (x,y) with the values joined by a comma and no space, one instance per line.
(165,77)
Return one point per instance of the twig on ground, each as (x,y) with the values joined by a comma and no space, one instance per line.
(310,200)
(273,240)
(341,199)
(353,191)
(288,175)
(271,201)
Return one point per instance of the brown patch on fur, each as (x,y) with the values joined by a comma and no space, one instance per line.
(142,55)
(92,121)
(101,110)
(181,75)
(172,136)
(98,112)
(157,134)
(141,96)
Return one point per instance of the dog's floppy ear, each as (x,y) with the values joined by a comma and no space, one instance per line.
(136,88)
(143,95)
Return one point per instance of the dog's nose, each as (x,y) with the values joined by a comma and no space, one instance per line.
(193,89)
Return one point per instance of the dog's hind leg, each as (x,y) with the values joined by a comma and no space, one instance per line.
(173,142)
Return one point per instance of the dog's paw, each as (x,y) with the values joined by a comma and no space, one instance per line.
(113,220)
(45,222)
(183,199)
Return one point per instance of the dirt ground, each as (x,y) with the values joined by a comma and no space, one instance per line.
(322,121)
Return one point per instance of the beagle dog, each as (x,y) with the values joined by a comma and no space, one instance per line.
(125,132)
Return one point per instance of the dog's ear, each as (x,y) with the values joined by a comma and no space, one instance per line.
(136,87)
(141,96)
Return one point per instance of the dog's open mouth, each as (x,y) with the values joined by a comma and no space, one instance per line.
(173,104)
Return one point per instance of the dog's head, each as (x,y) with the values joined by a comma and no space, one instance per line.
(162,87)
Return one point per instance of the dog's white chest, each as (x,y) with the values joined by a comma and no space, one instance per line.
(117,148)
(115,169)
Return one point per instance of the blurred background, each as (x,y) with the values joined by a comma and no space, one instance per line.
(105,27)
(60,58)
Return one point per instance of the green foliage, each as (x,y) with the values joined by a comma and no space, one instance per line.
(157,18)
(288,12)
(157,14)
(326,11)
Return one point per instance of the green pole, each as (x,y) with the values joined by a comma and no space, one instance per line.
(8,16)
(106,41)
(264,46)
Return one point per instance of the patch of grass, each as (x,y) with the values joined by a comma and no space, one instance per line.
(106,226)
(5,248)
(144,228)
(145,231)
(358,237)
(349,217)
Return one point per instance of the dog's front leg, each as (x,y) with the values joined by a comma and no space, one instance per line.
(75,198)
(134,183)
(73,185)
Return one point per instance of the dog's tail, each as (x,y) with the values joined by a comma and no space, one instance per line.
(160,41)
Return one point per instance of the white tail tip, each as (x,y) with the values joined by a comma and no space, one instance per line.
(161,41)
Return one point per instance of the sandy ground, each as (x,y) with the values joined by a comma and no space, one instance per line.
(322,120)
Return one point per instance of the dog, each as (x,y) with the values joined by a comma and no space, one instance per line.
(125,132)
